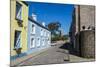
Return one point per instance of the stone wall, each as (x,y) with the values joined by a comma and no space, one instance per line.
(87,43)
(87,16)
(82,38)
(77,44)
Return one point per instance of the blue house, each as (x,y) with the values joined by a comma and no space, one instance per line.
(39,37)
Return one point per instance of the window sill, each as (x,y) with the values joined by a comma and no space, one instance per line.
(17,48)
(32,47)
(19,20)
(33,33)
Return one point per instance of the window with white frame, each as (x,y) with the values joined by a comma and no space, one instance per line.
(38,42)
(48,41)
(44,33)
(32,45)
(18,11)
(33,29)
(48,34)
(43,42)
(41,32)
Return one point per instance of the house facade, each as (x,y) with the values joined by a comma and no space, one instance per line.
(83,20)
(19,24)
(39,37)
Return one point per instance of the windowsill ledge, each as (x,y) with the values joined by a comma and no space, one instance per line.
(32,47)
(33,33)
(17,48)
(19,20)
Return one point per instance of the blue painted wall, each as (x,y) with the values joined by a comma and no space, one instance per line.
(36,36)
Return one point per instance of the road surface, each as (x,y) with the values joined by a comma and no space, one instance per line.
(53,55)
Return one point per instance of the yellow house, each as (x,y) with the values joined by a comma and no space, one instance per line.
(19,23)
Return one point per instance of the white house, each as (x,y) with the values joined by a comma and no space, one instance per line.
(39,37)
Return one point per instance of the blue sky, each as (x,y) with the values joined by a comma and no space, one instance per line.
(50,12)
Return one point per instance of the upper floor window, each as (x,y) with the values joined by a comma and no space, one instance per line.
(41,32)
(33,29)
(44,33)
(18,11)
(38,42)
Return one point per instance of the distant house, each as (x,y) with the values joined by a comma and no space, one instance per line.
(83,18)
(39,37)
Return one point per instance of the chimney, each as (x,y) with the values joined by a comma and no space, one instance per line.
(34,17)
(43,23)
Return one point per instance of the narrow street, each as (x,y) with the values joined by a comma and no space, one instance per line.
(51,56)
(54,55)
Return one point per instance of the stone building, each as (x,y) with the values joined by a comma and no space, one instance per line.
(83,20)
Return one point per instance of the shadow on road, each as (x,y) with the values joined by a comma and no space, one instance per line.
(68,46)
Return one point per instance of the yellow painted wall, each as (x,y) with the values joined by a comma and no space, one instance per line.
(15,26)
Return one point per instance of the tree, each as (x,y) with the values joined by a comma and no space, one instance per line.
(53,27)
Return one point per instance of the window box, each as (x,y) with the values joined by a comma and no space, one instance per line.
(18,50)
(19,20)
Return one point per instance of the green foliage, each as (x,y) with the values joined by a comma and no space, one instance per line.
(54,27)
(55,32)
(57,38)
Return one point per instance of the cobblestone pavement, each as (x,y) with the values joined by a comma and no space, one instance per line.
(51,56)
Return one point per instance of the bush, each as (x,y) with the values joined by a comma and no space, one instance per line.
(57,38)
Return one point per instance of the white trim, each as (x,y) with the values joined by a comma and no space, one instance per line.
(33,28)
(19,14)
(32,42)
(38,42)
(43,42)
(41,32)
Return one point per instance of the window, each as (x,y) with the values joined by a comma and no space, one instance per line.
(33,29)
(38,42)
(18,11)
(44,33)
(48,35)
(41,32)
(32,43)
(43,42)
(17,39)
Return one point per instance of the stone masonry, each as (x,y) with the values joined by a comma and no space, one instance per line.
(83,19)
